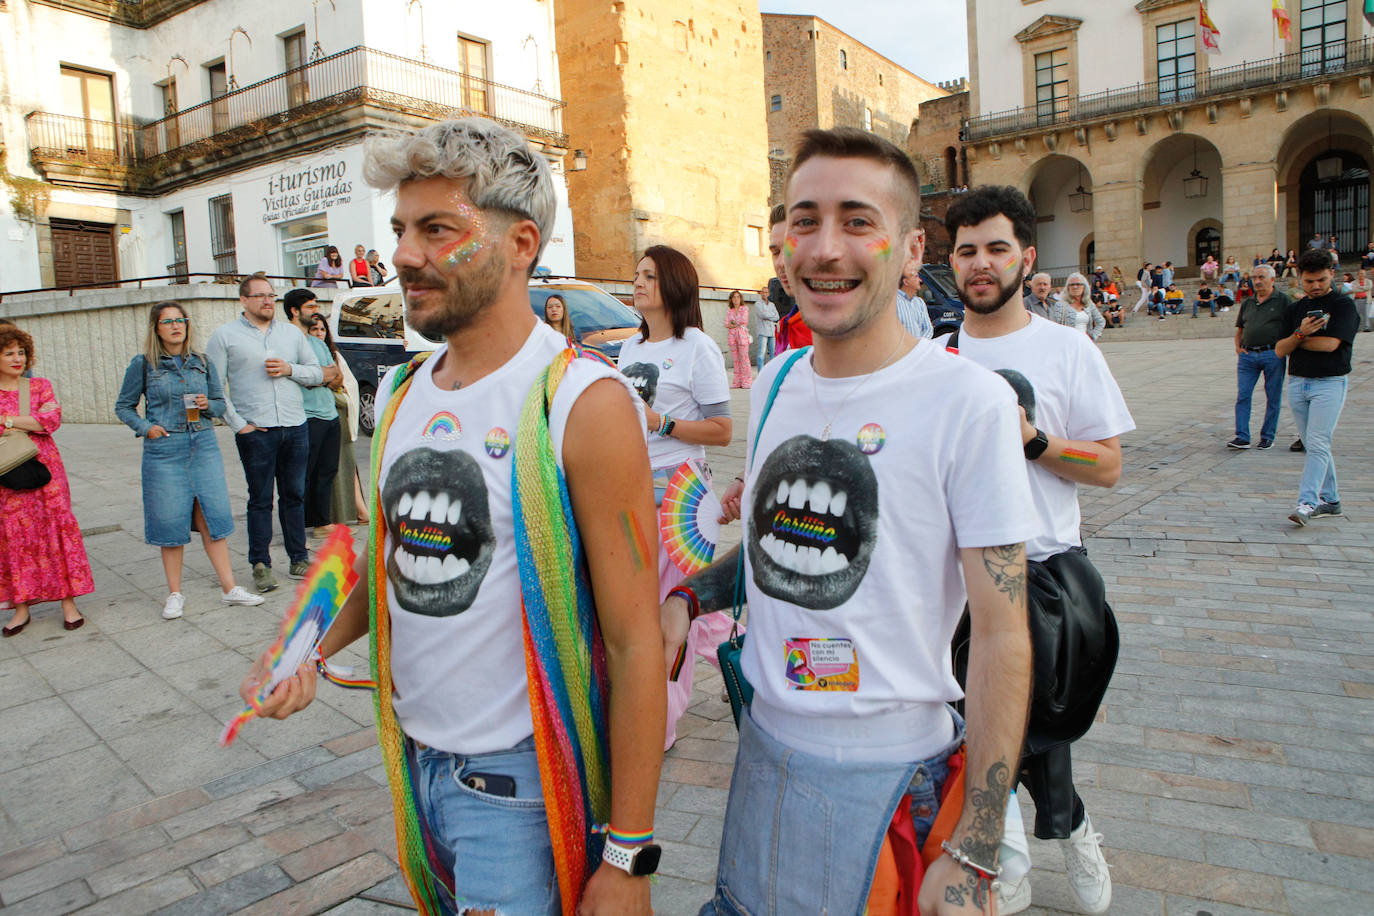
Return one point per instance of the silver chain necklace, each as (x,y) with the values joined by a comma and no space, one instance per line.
(815,392)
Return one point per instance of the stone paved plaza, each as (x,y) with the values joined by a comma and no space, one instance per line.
(1229,770)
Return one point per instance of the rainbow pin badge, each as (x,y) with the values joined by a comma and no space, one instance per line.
(318,600)
(443,425)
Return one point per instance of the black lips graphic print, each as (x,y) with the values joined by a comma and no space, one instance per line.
(814,522)
(435,504)
(1025,391)
(644,376)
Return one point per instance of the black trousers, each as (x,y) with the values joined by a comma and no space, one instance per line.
(1048,777)
(321,466)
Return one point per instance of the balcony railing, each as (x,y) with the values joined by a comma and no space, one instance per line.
(349,78)
(83,141)
(1309,64)
(359,75)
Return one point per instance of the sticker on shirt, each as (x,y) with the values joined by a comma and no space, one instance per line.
(442,427)
(667,364)
(814,522)
(822,664)
(442,542)
(1025,391)
(872,438)
(497,442)
(644,378)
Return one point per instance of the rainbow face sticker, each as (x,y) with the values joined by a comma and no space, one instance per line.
(871,439)
(498,442)
(443,426)
(880,248)
(466,247)
(789,247)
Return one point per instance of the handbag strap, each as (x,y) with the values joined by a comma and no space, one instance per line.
(791,361)
(24,394)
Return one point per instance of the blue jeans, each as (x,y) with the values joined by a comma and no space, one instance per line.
(1248,369)
(495,848)
(1316,405)
(802,834)
(1212,303)
(766,342)
(277,454)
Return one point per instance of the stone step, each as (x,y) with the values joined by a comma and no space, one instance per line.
(1174,327)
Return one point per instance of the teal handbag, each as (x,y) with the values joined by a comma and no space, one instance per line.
(737,687)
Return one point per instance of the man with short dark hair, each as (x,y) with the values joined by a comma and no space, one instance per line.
(266,366)
(1206,299)
(1262,322)
(856,575)
(792,331)
(1322,327)
(321,414)
(1069,441)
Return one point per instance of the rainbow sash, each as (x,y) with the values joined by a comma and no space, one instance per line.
(564,659)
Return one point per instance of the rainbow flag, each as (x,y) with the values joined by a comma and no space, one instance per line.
(1207,29)
(1285,24)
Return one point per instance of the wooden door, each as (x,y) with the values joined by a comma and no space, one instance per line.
(83,253)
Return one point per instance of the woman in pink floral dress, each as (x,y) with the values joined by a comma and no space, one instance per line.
(737,335)
(42,557)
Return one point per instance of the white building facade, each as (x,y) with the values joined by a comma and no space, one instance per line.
(1136,144)
(213,138)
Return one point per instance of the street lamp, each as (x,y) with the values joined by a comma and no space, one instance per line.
(1195,185)
(1080,201)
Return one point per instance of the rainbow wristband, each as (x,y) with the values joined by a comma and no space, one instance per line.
(663,420)
(693,605)
(624,839)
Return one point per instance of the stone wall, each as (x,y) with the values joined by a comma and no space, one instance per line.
(665,103)
(84,339)
(935,132)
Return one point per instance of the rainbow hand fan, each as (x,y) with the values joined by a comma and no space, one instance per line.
(689,517)
(318,600)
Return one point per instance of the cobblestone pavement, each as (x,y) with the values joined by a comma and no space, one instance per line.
(1229,770)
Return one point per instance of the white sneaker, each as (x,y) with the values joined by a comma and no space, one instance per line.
(241,596)
(1013,898)
(1088,876)
(176,602)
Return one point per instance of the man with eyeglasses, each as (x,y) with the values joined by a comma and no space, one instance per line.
(266,366)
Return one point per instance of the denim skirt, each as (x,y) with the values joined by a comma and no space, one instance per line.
(180,469)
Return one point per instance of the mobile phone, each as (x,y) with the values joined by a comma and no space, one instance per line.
(1316,313)
(491,784)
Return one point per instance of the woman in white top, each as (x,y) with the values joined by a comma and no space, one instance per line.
(680,373)
(1076,310)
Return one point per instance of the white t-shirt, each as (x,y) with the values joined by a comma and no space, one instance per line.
(1069,392)
(853,575)
(453,588)
(676,376)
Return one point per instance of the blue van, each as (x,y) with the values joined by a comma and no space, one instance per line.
(370,329)
(942,298)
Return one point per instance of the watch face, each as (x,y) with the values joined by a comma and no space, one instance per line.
(646,860)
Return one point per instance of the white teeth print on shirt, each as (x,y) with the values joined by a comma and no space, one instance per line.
(813,522)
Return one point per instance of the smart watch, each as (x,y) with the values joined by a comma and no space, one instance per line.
(1036,447)
(638,861)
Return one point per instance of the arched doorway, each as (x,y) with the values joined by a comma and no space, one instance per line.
(1207,243)
(1333,199)
(1060,189)
(1182,188)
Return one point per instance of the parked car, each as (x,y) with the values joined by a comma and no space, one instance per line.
(942,298)
(371,332)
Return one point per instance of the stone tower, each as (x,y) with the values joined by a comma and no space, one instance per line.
(666,101)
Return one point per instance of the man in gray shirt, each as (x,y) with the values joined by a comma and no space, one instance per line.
(1037,301)
(265,366)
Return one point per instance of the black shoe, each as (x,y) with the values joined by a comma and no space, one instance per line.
(1327,510)
(1297,446)
(1238,443)
(1266,443)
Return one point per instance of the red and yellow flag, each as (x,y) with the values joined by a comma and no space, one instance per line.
(1281,20)
(1211,35)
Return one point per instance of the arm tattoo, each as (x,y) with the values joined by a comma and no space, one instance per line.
(988,805)
(1007,567)
(715,585)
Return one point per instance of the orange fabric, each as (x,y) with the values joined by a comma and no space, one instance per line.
(798,334)
(897,879)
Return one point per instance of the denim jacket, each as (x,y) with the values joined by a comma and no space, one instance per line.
(161,387)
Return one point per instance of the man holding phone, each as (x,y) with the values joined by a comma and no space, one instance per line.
(1322,327)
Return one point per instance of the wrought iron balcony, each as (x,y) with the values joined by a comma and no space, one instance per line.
(345,92)
(1309,65)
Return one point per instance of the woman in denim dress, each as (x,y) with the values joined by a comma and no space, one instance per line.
(183,473)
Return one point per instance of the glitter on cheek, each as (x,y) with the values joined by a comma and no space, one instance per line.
(789,246)
(461,251)
(1010,267)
